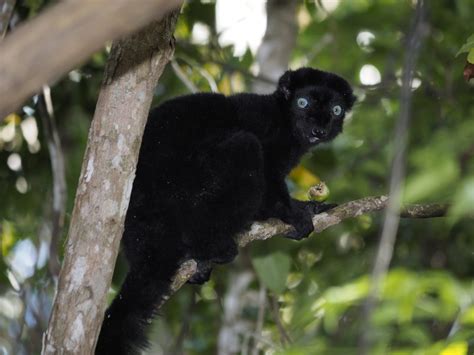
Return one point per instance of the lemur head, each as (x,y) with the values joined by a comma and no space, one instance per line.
(317,102)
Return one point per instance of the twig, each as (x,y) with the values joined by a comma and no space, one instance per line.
(325,40)
(397,176)
(260,338)
(182,76)
(45,107)
(203,72)
(263,230)
(178,345)
(284,337)
(260,315)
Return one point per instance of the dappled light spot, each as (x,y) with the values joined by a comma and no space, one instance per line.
(7,133)
(415,84)
(22,259)
(14,162)
(200,33)
(29,128)
(10,306)
(364,39)
(21,185)
(241,24)
(369,75)
(330,5)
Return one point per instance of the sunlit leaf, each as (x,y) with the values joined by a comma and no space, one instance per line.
(467,317)
(467,46)
(7,237)
(463,202)
(303,177)
(470,56)
(457,348)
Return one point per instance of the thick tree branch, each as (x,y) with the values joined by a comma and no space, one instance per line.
(108,170)
(263,230)
(73,31)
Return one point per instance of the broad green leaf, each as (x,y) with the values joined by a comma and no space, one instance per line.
(467,317)
(470,56)
(432,180)
(457,348)
(463,202)
(272,270)
(467,46)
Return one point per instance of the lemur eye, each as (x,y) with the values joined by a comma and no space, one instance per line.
(337,110)
(302,102)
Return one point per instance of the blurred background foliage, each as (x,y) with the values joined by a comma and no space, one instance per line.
(294,298)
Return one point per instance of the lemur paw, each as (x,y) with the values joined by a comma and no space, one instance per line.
(202,274)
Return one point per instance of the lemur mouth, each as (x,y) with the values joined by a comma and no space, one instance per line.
(317,134)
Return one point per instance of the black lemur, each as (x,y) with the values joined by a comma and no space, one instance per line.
(208,166)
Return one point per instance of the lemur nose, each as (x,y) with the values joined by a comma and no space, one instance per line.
(319,132)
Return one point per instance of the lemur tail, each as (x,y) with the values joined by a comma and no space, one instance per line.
(126,320)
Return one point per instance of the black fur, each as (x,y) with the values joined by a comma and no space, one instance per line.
(209,165)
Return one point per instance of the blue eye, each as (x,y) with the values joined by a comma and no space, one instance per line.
(337,110)
(302,102)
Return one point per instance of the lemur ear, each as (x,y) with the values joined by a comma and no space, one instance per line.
(284,84)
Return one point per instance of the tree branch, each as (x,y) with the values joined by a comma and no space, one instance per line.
(80,29)
(135,63)
(263,230)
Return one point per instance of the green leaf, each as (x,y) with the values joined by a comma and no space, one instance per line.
(470,56)
(272,270)
(432,181)
(463,203)
(467,46)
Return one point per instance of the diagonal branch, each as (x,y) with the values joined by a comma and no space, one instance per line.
(263,230)
(80,29)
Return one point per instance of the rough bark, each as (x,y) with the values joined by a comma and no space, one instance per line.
(263,230)
(43,49)
(105,183)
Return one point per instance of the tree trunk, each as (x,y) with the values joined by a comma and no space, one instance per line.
(105,184)
(273,55)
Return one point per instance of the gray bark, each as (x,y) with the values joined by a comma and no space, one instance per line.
(34,54)
(105,184)
(273,55)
